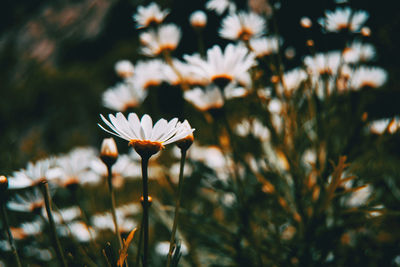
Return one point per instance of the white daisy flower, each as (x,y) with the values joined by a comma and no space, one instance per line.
(323,63)
(147,74)
(198,19)
(73,169)
(358,51)
(123,96)
(181,72)
(124,68)
(242,26)
(27,229)
(210,98)
(368,77)
(219,6)
(165,38)
(29,201)
(223,67)
(293,79)
(359,197)
(264,46)
(141,134)
(343,18)
(150,14)
(67,215)
(33,174)
(81,232)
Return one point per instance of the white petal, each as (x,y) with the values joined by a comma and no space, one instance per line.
(147,126)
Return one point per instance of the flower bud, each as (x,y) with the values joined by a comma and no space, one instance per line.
(187,141)
(3,183)
(198,19)
(109,151)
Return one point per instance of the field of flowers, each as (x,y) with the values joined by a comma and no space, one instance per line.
(232,133)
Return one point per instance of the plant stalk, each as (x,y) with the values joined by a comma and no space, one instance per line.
(145,204)
(9,234)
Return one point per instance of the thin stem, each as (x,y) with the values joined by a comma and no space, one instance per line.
(112,195)
(178,204)
(56,243)
(9,234)
(145,163)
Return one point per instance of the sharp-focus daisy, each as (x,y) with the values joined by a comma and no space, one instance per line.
(368,77)
(198,19)
(141,134)
(33,174)
(147,74)
(123,96)
(165,38)
(150,14)
(343,18)
(223,67)
(358,51)
(219,6)
(210,98)
(124,68)
(242,26)
(264,46)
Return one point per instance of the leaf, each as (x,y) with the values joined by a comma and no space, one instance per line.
(123,253)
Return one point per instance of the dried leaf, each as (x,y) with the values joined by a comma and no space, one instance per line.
(123,253)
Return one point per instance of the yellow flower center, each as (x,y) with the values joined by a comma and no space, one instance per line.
(146,147)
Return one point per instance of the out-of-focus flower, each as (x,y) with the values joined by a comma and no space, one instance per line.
(124,68)
(368,77)
(162,248)
(365,31)
(27,229)
(323,63)
(290,52)
(109,148)
(42,254)
(165,38)
(359,197)
(67,215)
(242,26)
(275,108)
(29,201)
(219,6)
(123,96)
(198,19)
(104,221)
(343,18)
(254,127)
(305,22)
(210,98)
(73,168)
(147,74)
(150,14)
(293,79)
(81,232)
(182,72)
(223,67)
(384,125)
(33,174)
(358,51)
(141,134)
(264,46)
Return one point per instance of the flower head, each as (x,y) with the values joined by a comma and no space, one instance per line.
(148,73)
(368,77)
(165,38)
(223,67)
(264,46)
(123,96)
(210,98)
(142,136)
(220,6)
(150,14)
(343,18)
(242,26)
(198,19)
(358,51)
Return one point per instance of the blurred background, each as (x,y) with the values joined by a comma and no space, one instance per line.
(57,57)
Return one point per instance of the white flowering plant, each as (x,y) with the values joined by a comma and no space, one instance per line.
(277,173)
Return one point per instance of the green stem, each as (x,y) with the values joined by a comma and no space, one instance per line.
(56,243)
(112,195)
(145,163)
(178,204)
(9,234)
